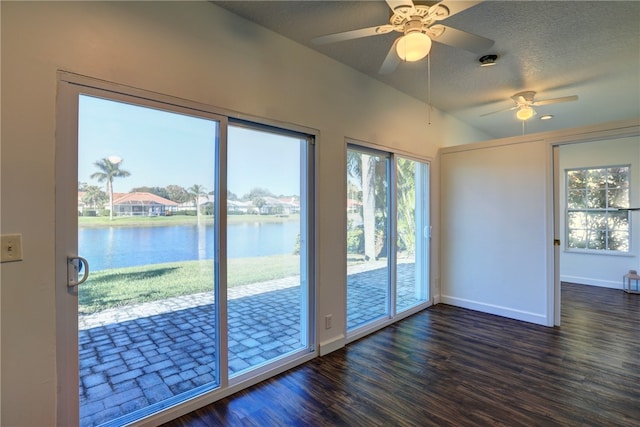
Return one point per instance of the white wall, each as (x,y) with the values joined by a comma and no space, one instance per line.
(497,220)
(601,270)
(494,229)
(195,51)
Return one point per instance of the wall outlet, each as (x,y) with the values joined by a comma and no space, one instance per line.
(327,321)
(11,247)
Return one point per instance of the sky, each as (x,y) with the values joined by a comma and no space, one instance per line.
(161,148)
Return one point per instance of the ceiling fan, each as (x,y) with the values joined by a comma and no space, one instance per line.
(525,103)
(417,23)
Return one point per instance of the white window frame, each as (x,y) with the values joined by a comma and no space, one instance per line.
(607,210)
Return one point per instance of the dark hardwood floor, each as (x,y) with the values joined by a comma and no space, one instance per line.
(448,366)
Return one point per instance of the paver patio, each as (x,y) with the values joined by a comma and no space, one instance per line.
(149,355)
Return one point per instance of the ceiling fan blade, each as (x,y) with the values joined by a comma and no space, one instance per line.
(403,7)
(556,100)
(454,6)
(499,111)
(462,39)
(354,34)
(391,61)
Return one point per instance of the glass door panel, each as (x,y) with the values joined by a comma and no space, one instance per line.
(267,279)
(412,236)
(147,313)
(368,276)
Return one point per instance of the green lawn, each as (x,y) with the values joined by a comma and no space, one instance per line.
(124,286)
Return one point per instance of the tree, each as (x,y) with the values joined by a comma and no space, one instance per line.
(257,192)
(158,191)
(362,168)
(258,202)
(108,170)
(196,191)
(177,194)
(94,196)
(406,205)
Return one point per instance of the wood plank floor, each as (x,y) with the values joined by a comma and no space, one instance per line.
(448,366)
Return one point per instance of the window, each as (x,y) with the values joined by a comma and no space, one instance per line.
(597,208)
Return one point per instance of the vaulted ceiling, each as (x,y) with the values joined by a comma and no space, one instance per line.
(555,48)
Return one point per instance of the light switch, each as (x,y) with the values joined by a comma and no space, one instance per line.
(11,247)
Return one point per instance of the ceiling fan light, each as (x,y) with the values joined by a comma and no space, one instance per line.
(413,46)
(525,113)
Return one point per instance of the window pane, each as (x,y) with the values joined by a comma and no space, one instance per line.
(597,221)
(577,220)
(619,177)
(367,238)
(577,239)
(147,315)
(266,241)
(618,198)
(412,241)
(596,199)
(577,199)
(576,179)
(619,241)
(596,178)
(618,221)
(596,239)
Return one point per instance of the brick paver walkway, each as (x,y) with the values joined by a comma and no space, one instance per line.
(156,354)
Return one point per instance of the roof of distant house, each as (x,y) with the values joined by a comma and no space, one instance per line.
(142,198)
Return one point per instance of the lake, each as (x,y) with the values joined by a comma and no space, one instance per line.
(115,247)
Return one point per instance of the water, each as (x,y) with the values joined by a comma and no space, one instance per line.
(114,247)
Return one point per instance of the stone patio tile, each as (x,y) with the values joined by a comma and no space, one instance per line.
(99,391)
(158,366)
(93,380)
(149,380)
(128,375)
(158,393)
(174,351)
(125,396)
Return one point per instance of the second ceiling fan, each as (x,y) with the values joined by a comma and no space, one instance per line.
(524,103)
(417,23)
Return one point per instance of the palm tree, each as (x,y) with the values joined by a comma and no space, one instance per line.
(362,167)
(94,196)
(196,191)
(406,204)
(108,170)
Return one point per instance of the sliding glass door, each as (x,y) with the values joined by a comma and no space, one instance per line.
(183,253)
(387,236)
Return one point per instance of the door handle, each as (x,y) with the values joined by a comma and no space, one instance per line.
(74,266)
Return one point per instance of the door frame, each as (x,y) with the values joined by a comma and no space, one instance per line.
(627,128)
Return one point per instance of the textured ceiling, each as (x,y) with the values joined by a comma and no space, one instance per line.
(556,48)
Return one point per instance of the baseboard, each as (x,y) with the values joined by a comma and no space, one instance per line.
(436,299)
(592,282)
(511,313)
(331,345)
